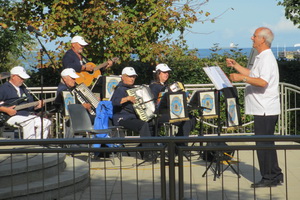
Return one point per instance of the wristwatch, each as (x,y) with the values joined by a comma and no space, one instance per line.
(244,79)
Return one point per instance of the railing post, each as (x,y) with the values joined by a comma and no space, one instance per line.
(180,178)
(171,150)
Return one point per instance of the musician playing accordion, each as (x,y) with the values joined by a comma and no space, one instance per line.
(68,83)
(159,86)
(124,113)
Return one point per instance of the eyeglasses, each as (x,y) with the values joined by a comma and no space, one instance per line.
(254,36)
(133,76)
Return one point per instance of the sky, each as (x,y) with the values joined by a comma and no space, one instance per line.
(238,25)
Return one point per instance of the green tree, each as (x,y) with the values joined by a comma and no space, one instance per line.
(14,43)
(112,27)
(292,10)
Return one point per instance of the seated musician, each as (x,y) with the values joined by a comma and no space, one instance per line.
(73,58)
(160,85)
(14,93)
(123,111)
(67,83)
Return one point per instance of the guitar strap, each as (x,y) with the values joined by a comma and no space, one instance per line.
(24,94)
(84,59)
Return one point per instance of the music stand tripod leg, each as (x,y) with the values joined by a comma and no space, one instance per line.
(233,169)
(210,164)
(217,169)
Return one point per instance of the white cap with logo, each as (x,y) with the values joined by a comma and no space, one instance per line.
(20,71)
(162,67)
(69,72)
(79,39)
(129,71)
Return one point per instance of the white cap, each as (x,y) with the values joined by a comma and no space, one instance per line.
(20,71)
(129,71)
(69,72)
(79,39)
(162,67)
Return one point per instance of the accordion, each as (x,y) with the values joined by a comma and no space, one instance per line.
(144,105)
(85,95)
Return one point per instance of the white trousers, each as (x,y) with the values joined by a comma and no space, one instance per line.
(31,126)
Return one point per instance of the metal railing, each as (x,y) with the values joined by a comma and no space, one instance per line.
(175,176)
(287,124)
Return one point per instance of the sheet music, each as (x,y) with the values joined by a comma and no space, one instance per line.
(218,77)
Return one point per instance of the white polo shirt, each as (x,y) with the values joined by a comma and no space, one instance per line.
(259,100)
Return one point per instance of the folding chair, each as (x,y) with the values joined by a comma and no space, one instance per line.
(81,122)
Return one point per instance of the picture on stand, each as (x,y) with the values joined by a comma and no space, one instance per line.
(232,114)
(68,99)
(206,101)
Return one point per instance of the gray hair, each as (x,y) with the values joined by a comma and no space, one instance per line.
(267,34)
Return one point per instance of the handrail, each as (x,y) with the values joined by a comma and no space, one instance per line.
(289,95)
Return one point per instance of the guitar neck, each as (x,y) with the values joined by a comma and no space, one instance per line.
(105,64)
(100,66)
(28,105)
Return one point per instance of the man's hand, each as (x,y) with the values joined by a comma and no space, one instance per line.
(230,62)
(87,106)
(41,104)
(89,67)
(9,110)
(131,99)
(127,99)
(109,63)
(236,77)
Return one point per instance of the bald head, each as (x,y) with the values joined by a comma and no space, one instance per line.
(267,34)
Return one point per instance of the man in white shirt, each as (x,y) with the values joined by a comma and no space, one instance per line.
(262,101)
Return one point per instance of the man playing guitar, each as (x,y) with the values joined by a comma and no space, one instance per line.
(73,58)
(13,94)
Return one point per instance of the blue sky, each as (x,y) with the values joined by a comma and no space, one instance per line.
(238,25)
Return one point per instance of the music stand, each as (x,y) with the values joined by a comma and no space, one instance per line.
(104,86)
(205,102)
(174,104)
(220,81)
(172,108)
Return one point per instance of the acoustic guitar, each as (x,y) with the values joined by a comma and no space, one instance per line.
(87,77)
(4,116)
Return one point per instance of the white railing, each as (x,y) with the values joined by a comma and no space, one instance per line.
(287,125)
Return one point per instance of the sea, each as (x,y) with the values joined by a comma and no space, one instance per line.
(205,53)
(202,53)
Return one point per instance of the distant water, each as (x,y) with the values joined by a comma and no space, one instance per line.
(202,53)
(205,53)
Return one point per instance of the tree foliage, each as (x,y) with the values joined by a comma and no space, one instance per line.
(112,27)
(13,42)
(292,10)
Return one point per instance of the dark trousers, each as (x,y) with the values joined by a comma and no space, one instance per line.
(184,127)
(268,162)
(137,125)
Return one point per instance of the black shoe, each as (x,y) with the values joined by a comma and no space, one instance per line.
(279,179)
(265,183)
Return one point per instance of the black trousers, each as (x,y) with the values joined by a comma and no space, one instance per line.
(184,127)
(268,162)
(137,125)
